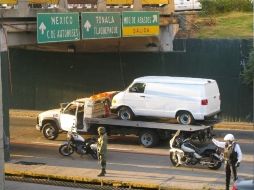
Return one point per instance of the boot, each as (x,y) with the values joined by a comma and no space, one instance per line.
(103,172)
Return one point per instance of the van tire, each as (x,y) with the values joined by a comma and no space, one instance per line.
(185,118)
(125,113)
(50,131)
(148,138)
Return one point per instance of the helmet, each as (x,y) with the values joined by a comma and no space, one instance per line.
(101,130)
(229,137)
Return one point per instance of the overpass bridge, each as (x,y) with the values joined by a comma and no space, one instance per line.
(19,25)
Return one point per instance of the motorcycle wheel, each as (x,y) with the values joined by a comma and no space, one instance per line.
(94,154)
(216,166)
(174,160)
(65,150)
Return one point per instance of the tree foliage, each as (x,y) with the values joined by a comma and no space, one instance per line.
(221,6)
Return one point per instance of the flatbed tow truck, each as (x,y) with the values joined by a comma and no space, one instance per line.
(87,116)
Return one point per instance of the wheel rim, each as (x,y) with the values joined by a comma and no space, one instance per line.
(50,131)
(185,118)
(147,139)
(125,115)
(66,150)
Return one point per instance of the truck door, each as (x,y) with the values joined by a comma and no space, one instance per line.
(68,117)
(135,98)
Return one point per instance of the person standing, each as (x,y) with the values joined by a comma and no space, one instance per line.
(102,149)
(232,156)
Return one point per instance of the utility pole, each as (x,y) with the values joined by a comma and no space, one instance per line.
(3,48)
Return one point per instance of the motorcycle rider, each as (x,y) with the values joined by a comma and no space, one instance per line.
(232,156)
(102,149)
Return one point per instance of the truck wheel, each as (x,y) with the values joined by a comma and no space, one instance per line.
(185,118)
(125,113)
(148,138)
(50,131)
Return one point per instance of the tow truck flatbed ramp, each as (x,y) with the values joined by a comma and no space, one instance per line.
(145,124)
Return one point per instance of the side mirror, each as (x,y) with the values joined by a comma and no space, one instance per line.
(62,106)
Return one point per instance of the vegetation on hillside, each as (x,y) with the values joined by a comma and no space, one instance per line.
(221,19)
(225,25)
(211,7)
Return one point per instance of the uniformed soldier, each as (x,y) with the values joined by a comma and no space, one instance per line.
(102,149)
(232,156)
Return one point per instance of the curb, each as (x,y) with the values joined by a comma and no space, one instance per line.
(235,126)
(27,173)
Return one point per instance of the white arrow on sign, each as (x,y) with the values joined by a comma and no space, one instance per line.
(155,18)
(42,27)
(87,25)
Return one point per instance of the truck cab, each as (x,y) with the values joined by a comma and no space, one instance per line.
(52,122)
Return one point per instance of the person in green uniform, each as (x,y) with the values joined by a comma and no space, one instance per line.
(102,149)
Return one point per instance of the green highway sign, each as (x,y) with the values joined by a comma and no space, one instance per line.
(97,25)
(145,23)
(57,27)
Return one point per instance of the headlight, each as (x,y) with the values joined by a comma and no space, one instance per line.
(113,101)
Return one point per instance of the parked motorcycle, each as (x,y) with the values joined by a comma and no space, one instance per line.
(77,143)
(183,152)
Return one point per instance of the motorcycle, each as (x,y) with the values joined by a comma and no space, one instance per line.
(77,143)
(183,152)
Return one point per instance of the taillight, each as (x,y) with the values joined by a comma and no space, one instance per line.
(234,187)
(204,102)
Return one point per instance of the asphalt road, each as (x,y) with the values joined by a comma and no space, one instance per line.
(22,130)
(29,145)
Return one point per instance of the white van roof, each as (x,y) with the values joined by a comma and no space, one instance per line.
(178,80)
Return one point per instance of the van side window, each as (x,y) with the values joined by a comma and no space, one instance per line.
(137,88)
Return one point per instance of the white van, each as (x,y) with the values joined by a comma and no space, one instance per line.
(186,99)
(184,5)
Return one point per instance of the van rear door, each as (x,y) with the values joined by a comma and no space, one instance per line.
(212,98)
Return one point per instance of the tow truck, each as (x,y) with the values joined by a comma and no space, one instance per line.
(87,114)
